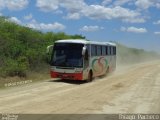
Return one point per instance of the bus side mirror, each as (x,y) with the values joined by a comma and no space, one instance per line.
(84,51)
(49,49)
(48,53)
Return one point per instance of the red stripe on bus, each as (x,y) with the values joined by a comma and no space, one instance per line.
(71,76)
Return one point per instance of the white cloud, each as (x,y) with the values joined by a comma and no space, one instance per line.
(58,12)
(106,2)
(47,5)
(134,20)
(28,17)
(121,2)
(48,27)
(2,4)
(145,4)
(13,4)
(158,5)
(133,29)
(157,33)
(15,20)
(53,26)
(74,16)
(32,23)
(76,9)
(101,12)
(16,4)
(157,22)
(91,28)
(73,6)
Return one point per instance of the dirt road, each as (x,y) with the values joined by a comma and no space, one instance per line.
(131,89)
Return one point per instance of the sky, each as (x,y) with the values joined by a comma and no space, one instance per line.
(135,23)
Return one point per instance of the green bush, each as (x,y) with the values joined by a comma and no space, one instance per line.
(23,49)
(17,67)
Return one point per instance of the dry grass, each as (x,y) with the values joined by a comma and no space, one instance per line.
(31,77)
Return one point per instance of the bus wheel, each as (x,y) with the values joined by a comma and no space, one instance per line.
(90,77)
(107,69)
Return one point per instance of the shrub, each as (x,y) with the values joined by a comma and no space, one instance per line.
(17,67)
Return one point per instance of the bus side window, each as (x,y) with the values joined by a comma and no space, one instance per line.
(109,50)
(86,59)
(99,50)
(103,50)
(112,50)
(115,51)
(88,49)
(96,51)
(93,50)
(106,50)
(86,55)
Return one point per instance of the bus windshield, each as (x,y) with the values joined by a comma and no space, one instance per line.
(67,55)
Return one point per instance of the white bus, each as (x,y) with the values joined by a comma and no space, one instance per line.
(81,59)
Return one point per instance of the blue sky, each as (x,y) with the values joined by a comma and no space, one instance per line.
(135,23)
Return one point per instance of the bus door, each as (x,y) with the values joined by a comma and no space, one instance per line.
(86,63)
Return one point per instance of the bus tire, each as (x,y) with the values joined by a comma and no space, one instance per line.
(107,70)
(90,76)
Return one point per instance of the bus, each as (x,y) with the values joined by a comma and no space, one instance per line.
(78,59)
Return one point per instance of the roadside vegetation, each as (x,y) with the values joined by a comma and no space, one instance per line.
(23,50)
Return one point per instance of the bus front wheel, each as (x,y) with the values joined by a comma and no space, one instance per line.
(90,77)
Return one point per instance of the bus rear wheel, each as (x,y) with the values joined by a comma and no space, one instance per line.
(90,77)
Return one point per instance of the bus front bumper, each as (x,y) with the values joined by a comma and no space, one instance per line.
(70,76)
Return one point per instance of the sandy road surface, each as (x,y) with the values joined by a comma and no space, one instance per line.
(132,89)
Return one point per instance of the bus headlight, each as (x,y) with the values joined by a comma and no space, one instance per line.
(53,68)
(78,70)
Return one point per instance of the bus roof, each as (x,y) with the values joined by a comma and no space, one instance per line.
(83,41)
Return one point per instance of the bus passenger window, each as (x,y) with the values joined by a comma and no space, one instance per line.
(99,50)
(109,50)
(106,50)
(93,50)
(114,50)
(103,50)
(86,59)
